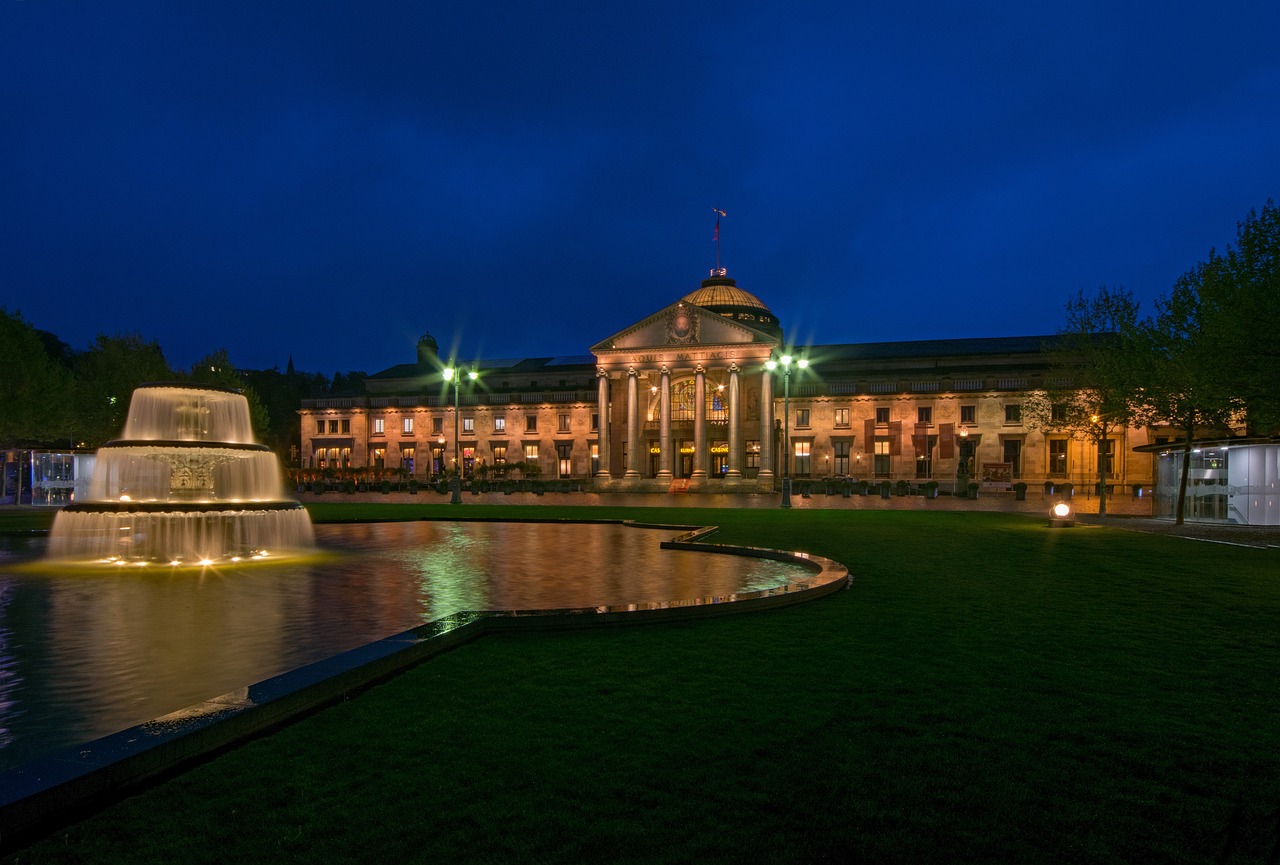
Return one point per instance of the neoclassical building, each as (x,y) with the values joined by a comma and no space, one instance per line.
(695,397)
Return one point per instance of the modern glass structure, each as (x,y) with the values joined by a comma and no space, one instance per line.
(1229,481)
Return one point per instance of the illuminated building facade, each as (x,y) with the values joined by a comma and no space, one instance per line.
(684,399)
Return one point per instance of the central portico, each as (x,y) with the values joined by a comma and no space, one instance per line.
(685,397)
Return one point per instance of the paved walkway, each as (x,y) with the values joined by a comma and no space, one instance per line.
(1123,511)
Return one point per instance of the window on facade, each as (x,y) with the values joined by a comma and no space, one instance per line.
(924,414)
(883,461)
(378,457)
(408,426)
(1013,413)
(968,414)
(531,423)
(499,453)
(346,426)
(1058,413)
(564,454)
(1107,457)
(378,428)
(753,454)
(802,417)
(320,427)
(563,423)
(595,459)
(841,450)
(1013,455)
(333,427)
(841,417)
(924,459)
(468,460)
(1058,458)
(469,425)
(882,415)
(499,424)
(437,425)
(595,421)
(531,453)
(802,450)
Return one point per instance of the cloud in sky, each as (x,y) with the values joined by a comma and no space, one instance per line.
(330,180)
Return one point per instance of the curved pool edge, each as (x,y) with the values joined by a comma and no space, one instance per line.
(38,797)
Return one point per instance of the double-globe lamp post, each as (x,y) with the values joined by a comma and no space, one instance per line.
(785,362)
(454,375)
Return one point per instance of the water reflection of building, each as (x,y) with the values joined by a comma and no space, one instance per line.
(689,402)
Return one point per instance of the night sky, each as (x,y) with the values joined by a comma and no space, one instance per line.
(330,180)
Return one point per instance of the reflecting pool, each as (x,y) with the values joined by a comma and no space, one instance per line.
(86,653)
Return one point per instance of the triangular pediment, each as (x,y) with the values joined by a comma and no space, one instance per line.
(682,324)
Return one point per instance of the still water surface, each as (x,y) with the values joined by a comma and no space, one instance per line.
(83,654)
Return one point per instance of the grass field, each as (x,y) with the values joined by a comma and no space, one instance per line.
(989,690)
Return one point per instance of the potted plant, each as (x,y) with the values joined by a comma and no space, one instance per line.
(1020,491)
(973,489)
(884,489)
(903,488)
(931,490)
(862,487)
(1065,490)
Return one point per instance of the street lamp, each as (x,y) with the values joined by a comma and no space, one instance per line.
(785,361)
(454,375)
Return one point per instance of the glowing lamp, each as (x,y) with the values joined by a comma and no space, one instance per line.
(1061,515)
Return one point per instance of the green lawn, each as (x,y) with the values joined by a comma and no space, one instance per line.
(988,691)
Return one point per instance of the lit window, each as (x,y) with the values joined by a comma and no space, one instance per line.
(499,424)
(531,453)
(842,417)
(1058,457)
(408,426)
(802,457)
(469,425)
(378,426)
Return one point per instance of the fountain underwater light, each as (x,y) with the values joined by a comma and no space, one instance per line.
(185,484)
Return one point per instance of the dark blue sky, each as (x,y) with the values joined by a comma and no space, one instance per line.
(333,179)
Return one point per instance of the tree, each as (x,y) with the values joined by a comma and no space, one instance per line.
(1095,375)
(1240,318)
(106,376)
(35,390)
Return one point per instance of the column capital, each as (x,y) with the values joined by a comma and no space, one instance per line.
(631,370)
(601,372)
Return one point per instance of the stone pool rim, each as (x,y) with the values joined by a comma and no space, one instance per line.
(49,792)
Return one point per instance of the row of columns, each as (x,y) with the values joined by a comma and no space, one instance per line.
(701,465)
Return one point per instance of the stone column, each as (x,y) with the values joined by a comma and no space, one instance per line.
(602,405)
(735,425)
(633,425)
(766,426)
(701,457)
(664,426)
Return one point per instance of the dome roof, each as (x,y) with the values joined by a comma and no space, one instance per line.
(720,294)
(721,291)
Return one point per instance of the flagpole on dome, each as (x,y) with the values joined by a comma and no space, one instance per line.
(719,271)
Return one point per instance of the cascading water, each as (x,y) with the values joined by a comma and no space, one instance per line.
(186,484)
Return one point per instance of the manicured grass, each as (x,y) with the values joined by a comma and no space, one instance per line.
(988,691)
(23,520)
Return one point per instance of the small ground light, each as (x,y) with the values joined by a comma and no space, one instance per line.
(1061,515)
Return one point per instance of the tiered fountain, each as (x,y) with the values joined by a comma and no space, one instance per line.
(185,485)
